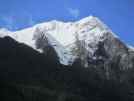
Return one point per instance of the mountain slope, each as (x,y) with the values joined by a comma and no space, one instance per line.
(89,40)
(27,75)
(57,61)
(68,38)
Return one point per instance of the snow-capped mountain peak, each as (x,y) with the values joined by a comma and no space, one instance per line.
(67,38)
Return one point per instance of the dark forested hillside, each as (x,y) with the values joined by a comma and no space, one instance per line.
(27,75)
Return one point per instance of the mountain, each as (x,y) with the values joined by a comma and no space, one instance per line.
(89,40)
(65,61)
(64,37)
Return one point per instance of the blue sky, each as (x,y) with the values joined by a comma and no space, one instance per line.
(117,14)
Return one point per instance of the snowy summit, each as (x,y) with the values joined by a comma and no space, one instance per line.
(64,37)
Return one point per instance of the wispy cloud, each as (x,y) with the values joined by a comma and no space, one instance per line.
(74,12)
(9,21)
(31,21)
(12,22)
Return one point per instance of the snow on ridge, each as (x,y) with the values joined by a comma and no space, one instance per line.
(131,48)
(4,32)
(63,34)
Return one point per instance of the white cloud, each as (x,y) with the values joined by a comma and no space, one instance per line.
(74,12)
